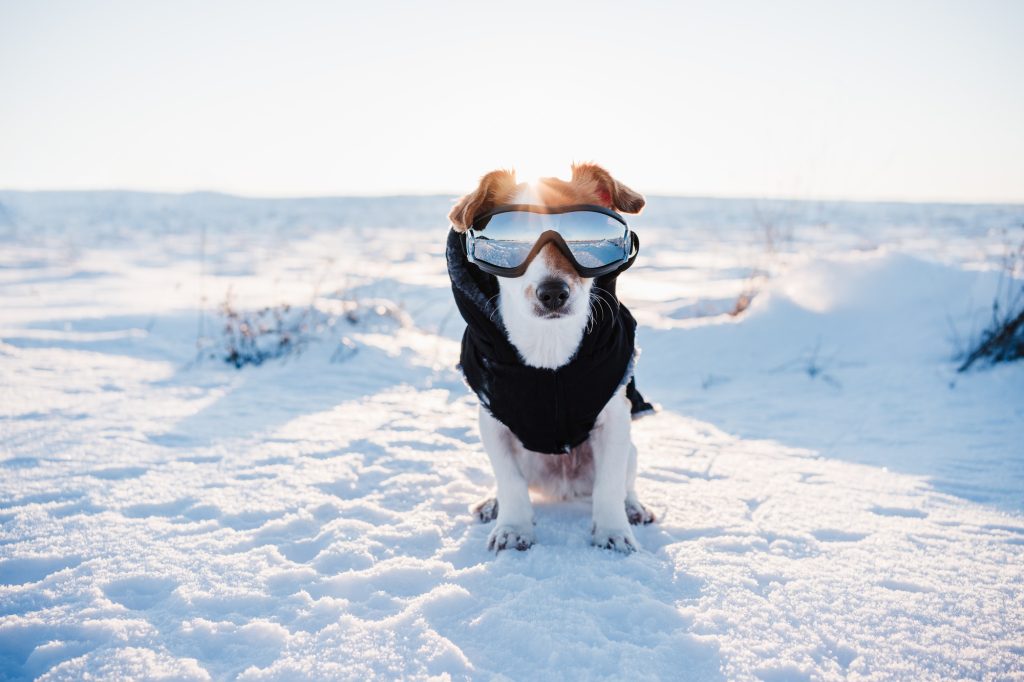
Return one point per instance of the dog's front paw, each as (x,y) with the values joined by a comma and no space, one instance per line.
(621,540)
(638,514)
(510,537)
(485,511)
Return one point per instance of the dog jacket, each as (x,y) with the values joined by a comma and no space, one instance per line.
(549,410)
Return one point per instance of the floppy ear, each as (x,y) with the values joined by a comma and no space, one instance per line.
(493,187)
(611,193)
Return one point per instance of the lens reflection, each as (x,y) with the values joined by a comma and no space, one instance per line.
(506,239)
(502,253)
(594,254)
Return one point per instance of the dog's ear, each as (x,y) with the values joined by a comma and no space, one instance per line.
(610,192)
(497,186)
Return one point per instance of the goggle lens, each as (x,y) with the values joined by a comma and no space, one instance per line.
(596,240)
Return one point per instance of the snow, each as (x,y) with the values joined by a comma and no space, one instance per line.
(834,500)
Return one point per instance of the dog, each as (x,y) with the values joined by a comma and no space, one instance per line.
(545,313)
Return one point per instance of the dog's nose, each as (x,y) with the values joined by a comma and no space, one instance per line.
(553,293)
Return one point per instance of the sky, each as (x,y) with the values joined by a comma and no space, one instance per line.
(839,100)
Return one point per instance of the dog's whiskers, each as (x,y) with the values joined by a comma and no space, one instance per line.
(601,304)
(595,309)
(610,295)
(488,303)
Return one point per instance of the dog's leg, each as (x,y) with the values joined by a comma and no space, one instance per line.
(636,512)
(485,511)
(612,448)
(514,527)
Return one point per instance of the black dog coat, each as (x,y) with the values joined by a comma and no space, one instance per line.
(549,410)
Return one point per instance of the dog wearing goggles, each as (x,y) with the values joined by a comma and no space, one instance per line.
(548,245)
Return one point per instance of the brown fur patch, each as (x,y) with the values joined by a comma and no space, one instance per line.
(608,191)
(590,184)
(557,192)
(559,265)
(496,188)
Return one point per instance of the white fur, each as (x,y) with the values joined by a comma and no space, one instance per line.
(543,342)
(609,480)
(604,467)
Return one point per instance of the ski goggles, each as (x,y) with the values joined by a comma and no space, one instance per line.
(504,241)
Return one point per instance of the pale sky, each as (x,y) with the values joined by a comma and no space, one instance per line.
(858,100)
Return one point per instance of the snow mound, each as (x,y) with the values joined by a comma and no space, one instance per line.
(853,356)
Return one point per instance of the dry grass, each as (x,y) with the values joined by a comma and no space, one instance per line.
(1003,339)
(252,337)
(775,232)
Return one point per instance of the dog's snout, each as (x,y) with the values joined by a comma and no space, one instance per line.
(553,293)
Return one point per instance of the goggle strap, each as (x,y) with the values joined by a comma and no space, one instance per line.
(634,252)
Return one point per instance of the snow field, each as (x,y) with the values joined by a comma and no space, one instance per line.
(164,518)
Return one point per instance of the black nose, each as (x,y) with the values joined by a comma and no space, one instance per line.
(553,293)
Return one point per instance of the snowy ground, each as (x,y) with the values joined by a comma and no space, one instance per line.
(835,501)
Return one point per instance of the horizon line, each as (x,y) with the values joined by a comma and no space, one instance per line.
(425,195)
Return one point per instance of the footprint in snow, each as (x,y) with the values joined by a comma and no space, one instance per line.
(22,571)
(832,535)
(118,473)
(899,511)
(140,592)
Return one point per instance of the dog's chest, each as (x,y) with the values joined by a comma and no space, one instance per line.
(546,344)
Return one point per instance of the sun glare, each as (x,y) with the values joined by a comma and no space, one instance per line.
(531,172)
